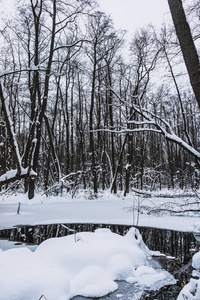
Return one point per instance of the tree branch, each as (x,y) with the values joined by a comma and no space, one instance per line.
(169,135)
(9,125)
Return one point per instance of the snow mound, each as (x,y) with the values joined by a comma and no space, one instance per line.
(196,227)
(196,261)
(84,264)
(191,291)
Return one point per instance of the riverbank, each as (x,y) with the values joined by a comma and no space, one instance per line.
(156,211)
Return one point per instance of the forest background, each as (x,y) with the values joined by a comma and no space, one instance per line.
(76,112)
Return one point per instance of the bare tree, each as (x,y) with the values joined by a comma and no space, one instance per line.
(100,31)
(50,21)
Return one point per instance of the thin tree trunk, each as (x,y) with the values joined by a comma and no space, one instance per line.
(92,148)
(110,96)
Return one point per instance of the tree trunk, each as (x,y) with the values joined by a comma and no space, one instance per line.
(187,45)
(44,102)
(110,96)
(92,148)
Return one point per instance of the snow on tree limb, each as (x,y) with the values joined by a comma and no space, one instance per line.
(171,136)
(14,175)
(159,125)
(9,125)
(20,172)
(58,184)
(127,130)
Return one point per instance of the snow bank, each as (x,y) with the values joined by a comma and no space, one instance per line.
(83,264)
(191,291)
(105,209)
(196,227)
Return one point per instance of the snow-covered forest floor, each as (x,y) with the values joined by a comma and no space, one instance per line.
(171,210)
(90,264)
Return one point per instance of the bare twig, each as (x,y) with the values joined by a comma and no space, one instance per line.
(71,230)
(43,296)
(172,211)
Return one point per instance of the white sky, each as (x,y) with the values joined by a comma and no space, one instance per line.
(127,14)
(132,14)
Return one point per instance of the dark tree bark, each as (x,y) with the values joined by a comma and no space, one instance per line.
(110,100)
(33,81)
(10,129)
(187,45)
(92,148)
(44,102)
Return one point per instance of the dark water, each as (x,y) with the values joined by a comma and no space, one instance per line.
(170,242)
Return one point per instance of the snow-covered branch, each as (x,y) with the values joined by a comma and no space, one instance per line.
(171,136)
(19,172)
(159,125)
(62,180)
(141,122)
(14,175)
(10,128)
(174,211)
(71,174)
(127,130)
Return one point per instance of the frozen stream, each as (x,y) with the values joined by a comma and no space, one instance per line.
(50,217)
(172,243)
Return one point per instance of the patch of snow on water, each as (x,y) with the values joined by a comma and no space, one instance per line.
(86,265)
